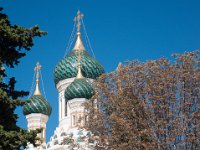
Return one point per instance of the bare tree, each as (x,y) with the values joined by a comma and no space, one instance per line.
(149,105)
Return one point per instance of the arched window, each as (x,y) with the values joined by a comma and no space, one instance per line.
(65,108)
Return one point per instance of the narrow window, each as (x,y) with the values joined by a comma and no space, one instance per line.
(65,109)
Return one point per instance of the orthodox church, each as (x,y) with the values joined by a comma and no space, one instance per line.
(73,77)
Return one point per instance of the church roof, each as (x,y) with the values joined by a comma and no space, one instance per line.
(79,88)
(37,103)
(67,67)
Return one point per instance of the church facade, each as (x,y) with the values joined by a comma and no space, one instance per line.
(73,77)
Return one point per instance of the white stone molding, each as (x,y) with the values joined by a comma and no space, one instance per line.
(36,121)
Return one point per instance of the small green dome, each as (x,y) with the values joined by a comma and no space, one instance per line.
(37,104)
(79,88)
(67,67)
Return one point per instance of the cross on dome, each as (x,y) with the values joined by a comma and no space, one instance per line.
(68,67)
(78,19)
(78,44)
(37,69)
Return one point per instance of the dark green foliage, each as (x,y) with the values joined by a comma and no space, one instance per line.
(14,42)
(14,39)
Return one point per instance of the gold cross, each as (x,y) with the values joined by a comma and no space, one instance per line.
(78,18)
(36,69)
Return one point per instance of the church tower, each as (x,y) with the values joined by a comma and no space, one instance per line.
(73,77)
(38,110)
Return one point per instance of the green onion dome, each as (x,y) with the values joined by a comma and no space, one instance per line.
(37,104)
(67,67)
(79,88)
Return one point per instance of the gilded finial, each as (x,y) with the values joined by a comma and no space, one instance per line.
(78,19)
(37,69)
(78,44)
(79,74)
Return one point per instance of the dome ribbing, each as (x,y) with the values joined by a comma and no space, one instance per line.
(67,67)
(79,88)
(37,104)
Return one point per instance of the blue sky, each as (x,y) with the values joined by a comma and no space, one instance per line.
(118,30)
